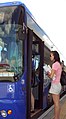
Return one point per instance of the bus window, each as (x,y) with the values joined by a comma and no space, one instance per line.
(11,44)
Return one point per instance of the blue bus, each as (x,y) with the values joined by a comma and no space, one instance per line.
(23,49)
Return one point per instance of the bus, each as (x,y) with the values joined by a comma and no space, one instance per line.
(23,49)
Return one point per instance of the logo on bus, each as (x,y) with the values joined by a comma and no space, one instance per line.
(10,88)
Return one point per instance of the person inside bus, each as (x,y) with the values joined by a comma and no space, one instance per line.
(32,96)
(32,83)
(13,64)
(4,56)
(55,88)
(35,81)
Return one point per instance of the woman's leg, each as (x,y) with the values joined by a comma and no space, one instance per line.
(56,106)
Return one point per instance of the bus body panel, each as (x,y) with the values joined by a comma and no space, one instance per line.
(17,107)
(13,97)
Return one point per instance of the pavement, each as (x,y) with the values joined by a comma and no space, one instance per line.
(49,114)
(63,110)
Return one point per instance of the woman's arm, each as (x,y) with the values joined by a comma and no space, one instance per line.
(50,75)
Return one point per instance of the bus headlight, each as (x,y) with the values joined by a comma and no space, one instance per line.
(9,112)
(3,113)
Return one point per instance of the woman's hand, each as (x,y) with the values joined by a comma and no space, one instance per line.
(48,73)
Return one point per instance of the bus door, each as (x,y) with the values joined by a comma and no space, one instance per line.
(37,66)
(35,55)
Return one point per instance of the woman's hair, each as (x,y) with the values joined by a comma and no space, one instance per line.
(56,56)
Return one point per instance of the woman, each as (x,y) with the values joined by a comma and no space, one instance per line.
(55,83)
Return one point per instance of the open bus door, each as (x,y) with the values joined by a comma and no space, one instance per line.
(35,57)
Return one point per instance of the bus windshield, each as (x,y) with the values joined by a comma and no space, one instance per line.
(11,44)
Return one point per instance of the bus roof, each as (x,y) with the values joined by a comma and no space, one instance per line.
(10,3)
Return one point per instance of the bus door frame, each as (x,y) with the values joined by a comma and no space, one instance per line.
(41,48)
(29,71)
